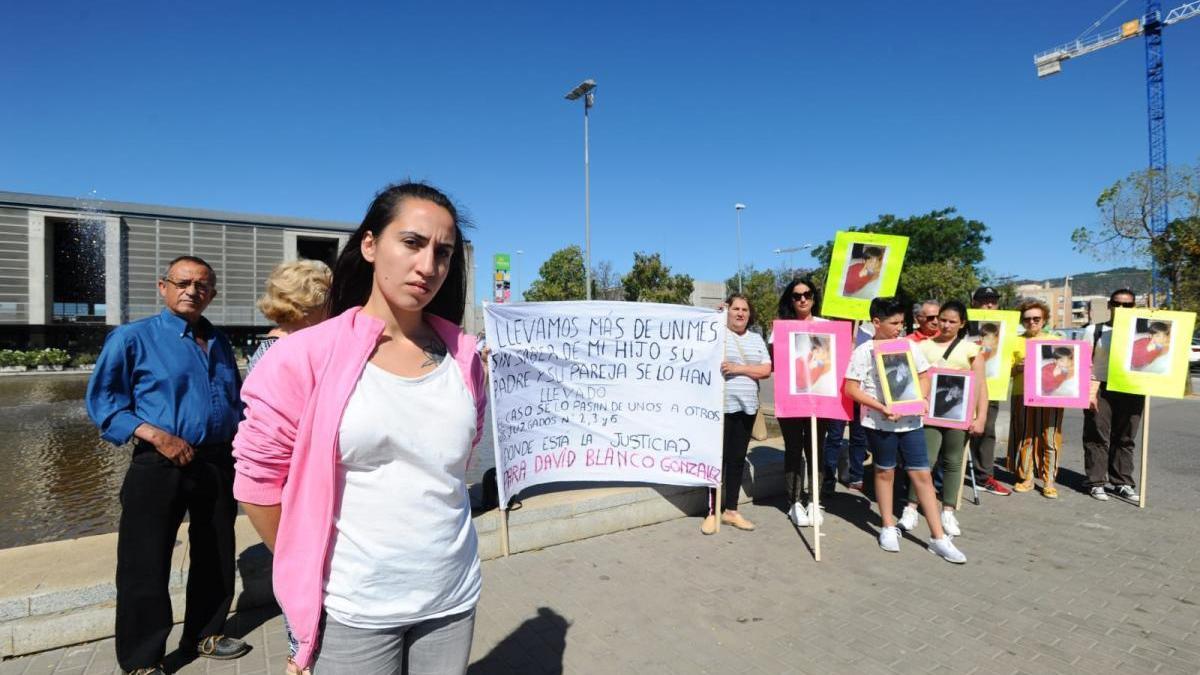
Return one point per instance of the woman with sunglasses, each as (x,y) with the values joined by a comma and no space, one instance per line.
(799,302)
(1035,433)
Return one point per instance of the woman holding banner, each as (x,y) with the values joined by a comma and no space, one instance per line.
(799,302)
(746,362)
(388,392)
(950,349)
(1035,433)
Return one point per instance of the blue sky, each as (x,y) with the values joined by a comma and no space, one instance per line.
(817,116)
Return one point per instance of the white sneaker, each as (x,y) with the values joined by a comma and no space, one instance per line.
(945,548)
(950,524)
(889,539)
(1098,492)
(908,518)
(815,516)
(799,515)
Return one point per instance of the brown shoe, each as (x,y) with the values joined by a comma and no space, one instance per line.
(737,521)
(709,526)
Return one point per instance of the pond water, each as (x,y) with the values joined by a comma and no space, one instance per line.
(61,480)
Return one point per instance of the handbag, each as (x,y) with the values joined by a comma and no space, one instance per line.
(758,432)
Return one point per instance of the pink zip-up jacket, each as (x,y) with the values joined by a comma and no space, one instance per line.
(286,449)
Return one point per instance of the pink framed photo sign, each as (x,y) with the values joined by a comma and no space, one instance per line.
(811,358)
(953,395)
(898,376)
(1058,373)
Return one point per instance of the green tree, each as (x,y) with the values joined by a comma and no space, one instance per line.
(1124,228)
(762,288)
(650,280)
(937,236)
(561,277)
(945,251)
(1177,253)
(937,281)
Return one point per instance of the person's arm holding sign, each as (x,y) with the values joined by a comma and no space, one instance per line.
(855,391)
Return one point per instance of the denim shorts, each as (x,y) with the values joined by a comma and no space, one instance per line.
(909,445)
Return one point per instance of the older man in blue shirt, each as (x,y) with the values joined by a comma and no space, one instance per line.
(171,383)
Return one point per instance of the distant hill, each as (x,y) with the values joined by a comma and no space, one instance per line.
(1101,283)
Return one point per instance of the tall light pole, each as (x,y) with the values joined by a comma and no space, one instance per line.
(517,269)
(737,208)
(584,91)
(789,251)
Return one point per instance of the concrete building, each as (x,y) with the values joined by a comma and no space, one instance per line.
(707,293)
(69,268)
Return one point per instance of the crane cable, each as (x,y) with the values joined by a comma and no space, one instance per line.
(1101,20)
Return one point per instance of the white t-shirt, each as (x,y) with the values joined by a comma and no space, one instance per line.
(1100,349)
(741,391)
(404,546)
(862,369)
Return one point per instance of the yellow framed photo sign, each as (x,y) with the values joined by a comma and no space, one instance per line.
(1149,352)
(995,331)
(863,266)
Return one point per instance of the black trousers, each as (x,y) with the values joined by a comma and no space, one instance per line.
(797,445)
(738,426)
(154,498)
(983,448)
(1109,437)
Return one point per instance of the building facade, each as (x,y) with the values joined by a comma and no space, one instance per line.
(70,267)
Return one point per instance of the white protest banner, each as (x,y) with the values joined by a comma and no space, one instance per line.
(605,391)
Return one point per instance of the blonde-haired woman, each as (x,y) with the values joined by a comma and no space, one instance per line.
(294,299)
(1035,434)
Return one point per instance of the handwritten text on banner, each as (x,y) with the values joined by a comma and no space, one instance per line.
(605,391)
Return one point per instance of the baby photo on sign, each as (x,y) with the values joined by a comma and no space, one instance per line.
(813,356)
(1056,371)
(989,335)
(864,270)
(950,397)
(899,378)
(1151,346)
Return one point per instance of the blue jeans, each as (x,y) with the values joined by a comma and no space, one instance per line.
(906,446)
(835,429)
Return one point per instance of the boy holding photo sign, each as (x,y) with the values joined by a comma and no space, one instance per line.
(890,433)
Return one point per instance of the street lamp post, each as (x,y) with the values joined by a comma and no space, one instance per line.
(517,269)
(584,91)
(789,251)
(737,208)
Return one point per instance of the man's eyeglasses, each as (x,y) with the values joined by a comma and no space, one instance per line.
(800,296)
(201,287)
(1114,303)
(1032,319)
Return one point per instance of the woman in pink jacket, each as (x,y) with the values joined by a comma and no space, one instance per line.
(350,462)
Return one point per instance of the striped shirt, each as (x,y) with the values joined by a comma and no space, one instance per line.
(741,391)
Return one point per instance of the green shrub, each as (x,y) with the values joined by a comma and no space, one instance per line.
(84,359)
(56,357)
(11,357)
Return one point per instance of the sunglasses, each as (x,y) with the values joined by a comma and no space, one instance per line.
(927,317)
(805,295)
(1114,303)
(1031,319)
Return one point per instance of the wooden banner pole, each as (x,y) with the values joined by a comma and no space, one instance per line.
(716,507)
(504,530)
(815,502)
(1145,453)
(962,474)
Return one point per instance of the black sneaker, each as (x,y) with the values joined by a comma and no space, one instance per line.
(152,670)
(222,648)
(1127,493)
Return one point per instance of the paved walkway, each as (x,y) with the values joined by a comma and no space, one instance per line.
(1067,586)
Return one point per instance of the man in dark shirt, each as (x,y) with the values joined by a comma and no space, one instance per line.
(171,382)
